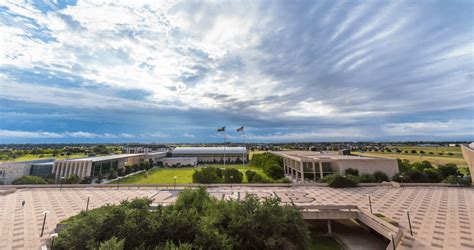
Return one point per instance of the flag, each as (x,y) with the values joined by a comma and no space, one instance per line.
(221,129)
(240,129)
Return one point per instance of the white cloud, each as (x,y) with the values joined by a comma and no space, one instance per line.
(76,134)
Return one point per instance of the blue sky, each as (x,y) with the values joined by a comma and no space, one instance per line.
(174,71)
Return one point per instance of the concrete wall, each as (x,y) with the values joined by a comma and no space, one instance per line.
(367,166)
(468,154)
(170,161)
(13,171)
(67,168)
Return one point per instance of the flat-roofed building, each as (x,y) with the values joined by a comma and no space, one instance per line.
(212,154)
(468,154)
(93,166)
(11,171)
(179,161)
(310,165)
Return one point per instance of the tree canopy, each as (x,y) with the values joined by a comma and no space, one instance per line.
(196,221)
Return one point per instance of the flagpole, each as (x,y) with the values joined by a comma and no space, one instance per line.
(224,150)
(243,144)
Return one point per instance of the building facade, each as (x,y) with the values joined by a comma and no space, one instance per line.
(14,170)
(309,165)
(213,154)
(468,154)
(179,161)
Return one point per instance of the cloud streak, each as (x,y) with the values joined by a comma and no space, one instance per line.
(334,66)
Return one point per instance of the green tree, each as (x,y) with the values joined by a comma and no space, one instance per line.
(112,244)
(232,175)
(206,175)
(448,169)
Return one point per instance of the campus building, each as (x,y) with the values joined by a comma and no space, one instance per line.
(311,165)
(101,165)
(212,154)
(468,154)
(14,170)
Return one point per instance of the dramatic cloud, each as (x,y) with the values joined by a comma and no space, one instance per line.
(305,70)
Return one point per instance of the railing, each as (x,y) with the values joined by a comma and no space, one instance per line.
(233,185)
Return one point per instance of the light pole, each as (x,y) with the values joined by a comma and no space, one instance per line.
(231,180)
(118,183)
(87,205)
(53,236)
(61,180)
(409,222)
(370,203)
(44,222)
(401,179)
(175,181)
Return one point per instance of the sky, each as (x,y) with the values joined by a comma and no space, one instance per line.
(175,71)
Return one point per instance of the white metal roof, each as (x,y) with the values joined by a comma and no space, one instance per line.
(209,150)
(105,157)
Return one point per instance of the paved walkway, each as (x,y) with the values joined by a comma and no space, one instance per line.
(442,217)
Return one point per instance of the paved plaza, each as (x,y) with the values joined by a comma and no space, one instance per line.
(442,217)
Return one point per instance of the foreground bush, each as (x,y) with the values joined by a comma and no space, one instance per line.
(338,181)
(29,179)
(195,221)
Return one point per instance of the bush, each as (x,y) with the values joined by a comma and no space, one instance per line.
(433,175)
(232,175)
(73,179)
(195,221)
(271,164)
(448,169)
(352,171)
(380,176)
(367,178)
(29,179)
(206,176)
(338,181)
(86,180)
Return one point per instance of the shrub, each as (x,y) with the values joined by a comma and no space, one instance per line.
(73,179)
(343,182)
(206,176)
(195,221)
(271,164)
(367,178)
(250,175)
(380,176)
(86,180)
(448,169)
(352,171)
(232,175)
(433,175)
(29,179)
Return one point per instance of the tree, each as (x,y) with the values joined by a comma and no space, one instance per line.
(29,179)
(72,179)
(448,169)
(195,221)
(206,175)
(352,171)
(232,175)
(403,165)
(433,175)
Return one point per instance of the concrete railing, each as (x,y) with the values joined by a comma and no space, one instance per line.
(334,212)
(236,185)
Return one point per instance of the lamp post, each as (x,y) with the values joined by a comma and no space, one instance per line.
(401,178)
(231,180)
(87,205)
(409,222)
(61,180)
(53,236)
(118,183)
(175,181)
(370,203)
(44,222)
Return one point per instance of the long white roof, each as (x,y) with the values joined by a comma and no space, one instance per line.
(209,150)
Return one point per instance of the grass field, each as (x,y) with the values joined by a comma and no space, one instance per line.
(434,159)
(31,157)
(183,175)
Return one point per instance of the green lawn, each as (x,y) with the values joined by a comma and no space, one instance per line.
(32,157)
(325,243)
(183,175)
(434,159)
